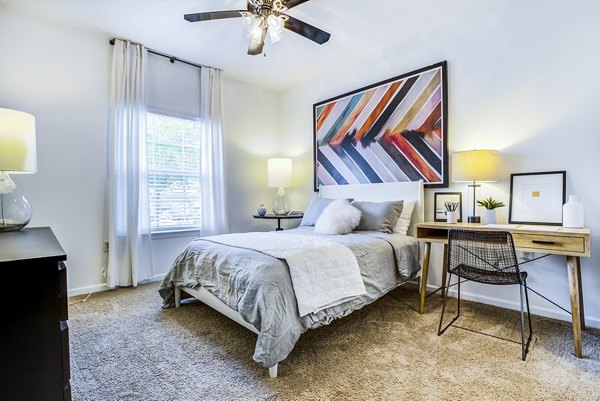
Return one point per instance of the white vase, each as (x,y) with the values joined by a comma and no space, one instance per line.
(573,213)
(451,217)
(489,216)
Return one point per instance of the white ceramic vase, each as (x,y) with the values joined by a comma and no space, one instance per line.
(573,213)
(489,216)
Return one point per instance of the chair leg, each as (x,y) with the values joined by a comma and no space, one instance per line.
(440,330)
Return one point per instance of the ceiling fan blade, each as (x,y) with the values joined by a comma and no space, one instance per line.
(308,31)
(255,48)
(212,15)
(294,3)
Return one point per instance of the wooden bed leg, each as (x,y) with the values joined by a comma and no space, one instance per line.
(273,371)
(177,297)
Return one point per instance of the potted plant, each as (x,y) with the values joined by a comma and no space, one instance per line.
(490,205)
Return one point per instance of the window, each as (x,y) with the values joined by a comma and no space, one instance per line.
(173,147)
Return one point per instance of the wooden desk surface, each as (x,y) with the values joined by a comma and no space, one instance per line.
(541,239)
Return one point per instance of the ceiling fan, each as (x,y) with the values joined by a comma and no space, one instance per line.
(263,17)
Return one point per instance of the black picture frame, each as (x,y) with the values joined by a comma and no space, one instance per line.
(346,151)
(532,188)
(439,198)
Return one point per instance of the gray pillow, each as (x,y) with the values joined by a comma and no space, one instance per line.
(314,210)
(378,216)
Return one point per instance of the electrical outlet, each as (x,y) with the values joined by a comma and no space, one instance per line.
(527,256)
(105,247)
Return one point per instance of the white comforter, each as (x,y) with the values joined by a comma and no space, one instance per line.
(324,272)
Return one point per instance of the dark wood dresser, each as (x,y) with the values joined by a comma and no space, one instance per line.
(34,344)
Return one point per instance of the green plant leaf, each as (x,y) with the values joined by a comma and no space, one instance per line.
(490,203)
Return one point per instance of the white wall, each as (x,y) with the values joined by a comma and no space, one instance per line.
(60,74)
(523,78)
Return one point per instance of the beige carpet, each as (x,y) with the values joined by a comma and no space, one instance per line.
(125,347)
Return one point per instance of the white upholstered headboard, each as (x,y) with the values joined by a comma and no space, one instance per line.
(412,190)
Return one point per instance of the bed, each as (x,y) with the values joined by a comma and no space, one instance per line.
(259,287)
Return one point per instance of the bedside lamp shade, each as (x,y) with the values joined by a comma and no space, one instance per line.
(17,142)
(475,166)
(17,155)
(279,173)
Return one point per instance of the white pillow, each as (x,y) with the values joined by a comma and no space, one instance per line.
(339,217)
(405,216)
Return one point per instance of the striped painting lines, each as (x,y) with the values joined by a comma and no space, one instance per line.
(389,132)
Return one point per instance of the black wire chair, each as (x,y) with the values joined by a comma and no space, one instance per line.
(485,257)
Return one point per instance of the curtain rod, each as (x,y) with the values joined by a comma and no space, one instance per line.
(172,59)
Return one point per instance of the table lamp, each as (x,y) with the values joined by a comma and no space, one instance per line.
(475,166)
(17,155)
(279,173)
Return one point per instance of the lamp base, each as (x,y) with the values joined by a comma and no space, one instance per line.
(474,219)
(15,211)
(281,203)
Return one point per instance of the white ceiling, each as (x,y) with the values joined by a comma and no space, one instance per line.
(360,29)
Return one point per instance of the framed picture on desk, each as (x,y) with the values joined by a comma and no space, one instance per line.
(442,201)
(537,198)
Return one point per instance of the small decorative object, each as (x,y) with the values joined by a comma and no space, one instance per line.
(262,210)
(573,213)
(17,155)
(490,205)
(475,166)
(445,202)
(537,198)
(279,173)
(390,131)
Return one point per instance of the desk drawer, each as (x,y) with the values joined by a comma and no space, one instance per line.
(550,243)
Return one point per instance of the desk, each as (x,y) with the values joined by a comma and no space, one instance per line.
(279,217)
(570,242)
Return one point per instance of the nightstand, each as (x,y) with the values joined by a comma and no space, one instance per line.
(279,217)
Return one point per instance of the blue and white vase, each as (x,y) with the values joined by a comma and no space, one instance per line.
(262,210)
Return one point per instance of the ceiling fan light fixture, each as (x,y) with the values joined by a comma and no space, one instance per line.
(265,17)
(253,24)
(275,25)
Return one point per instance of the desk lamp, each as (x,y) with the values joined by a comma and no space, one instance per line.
(475,166)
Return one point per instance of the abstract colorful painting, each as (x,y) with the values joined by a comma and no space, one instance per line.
(391,131)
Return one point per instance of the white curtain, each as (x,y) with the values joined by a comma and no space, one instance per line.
(212,169)
(129,256)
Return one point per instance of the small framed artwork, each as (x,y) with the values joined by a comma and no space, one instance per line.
(444,202)
(537,198)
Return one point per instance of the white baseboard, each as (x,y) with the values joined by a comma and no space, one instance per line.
(103,287)
(87,289)
(553,313)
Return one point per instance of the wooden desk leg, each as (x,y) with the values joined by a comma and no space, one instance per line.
(576,301)
(444,261)
(424,277)
(581,314)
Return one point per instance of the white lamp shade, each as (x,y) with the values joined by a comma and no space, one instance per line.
(17,142)
(279,172)
(475,165)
